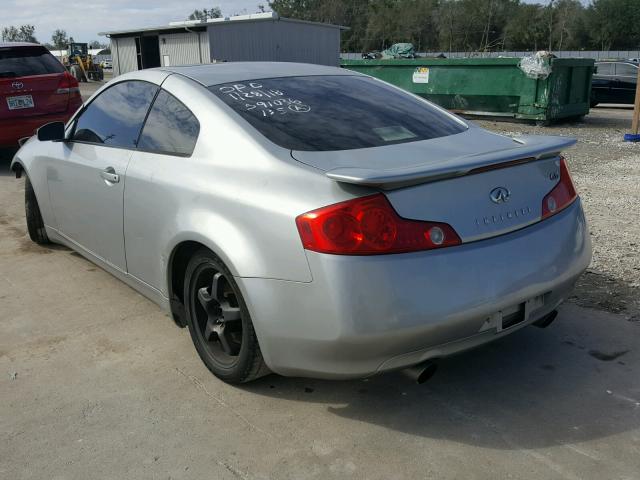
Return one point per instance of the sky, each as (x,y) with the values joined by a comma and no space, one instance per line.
(84,19)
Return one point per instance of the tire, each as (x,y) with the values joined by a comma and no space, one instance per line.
(35,225)
(226,342)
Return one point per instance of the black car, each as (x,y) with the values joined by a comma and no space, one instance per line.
(614,82)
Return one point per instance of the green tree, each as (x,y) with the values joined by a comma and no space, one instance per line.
(527,28)
(569,29)
(23,33)
(614,24)
(205,14)
(475,25)
(59,39)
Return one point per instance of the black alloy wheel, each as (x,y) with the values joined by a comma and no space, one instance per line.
(219,322)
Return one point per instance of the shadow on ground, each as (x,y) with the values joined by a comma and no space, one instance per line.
(534,389)
(6,155)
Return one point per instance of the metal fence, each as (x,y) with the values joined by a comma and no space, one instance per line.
(595,54)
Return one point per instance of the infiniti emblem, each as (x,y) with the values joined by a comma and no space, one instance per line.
(499,195)
(17,85)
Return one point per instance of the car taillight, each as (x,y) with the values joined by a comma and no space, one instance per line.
(369,226)
(562,195)
(68,84)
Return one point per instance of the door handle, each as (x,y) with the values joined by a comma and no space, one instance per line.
(109,174)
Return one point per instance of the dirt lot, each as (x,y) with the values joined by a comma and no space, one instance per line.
(96,382)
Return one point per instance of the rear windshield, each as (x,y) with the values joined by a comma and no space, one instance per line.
(25,61)
(322,113)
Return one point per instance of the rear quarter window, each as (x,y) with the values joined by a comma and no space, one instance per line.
(170,128)
(321,113)
(604,68)
(626,70)
(26,61)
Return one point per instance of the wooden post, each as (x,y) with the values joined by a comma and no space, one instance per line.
(636,108)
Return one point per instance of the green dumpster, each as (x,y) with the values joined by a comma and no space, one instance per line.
(490,86)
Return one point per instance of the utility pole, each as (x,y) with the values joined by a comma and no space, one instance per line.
(635,123)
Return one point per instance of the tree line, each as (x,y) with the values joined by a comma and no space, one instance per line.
(446,25)
(26,33)
(475,25)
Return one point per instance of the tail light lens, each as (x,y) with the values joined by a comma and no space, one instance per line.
(369,226)
(68,84)
(562,195)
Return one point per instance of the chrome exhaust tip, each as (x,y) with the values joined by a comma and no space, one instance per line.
(422,372)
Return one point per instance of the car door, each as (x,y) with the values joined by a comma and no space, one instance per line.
(154,178)
(625,82)
(601,83)
(87,179)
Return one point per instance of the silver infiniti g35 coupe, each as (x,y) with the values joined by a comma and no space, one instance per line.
(308,220)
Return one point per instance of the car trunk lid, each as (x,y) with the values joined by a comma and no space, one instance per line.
(485,203)
(483,185)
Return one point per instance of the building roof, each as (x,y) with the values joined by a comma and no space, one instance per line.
(18,44)
(92,51)
(218,73)
(198,24)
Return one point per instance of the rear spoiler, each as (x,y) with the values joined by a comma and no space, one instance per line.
(529,148)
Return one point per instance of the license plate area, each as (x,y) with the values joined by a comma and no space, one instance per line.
(20,102)
(514,315)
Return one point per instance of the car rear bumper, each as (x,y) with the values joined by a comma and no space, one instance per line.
(363,315)
(12,130)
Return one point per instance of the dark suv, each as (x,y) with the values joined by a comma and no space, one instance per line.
(34,89)
(614,82)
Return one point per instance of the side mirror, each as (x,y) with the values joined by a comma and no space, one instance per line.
(51,131)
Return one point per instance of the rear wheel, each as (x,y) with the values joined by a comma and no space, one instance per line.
(35,225)
(219,322)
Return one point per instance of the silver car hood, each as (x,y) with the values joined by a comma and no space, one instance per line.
(411,163)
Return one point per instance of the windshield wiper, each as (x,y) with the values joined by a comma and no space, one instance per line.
(8,74)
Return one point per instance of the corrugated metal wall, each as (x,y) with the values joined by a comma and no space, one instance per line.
(123,52)
(184,48)
(114,56)
(205,51)
(277,40)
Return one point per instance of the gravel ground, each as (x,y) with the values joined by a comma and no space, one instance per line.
(606,171)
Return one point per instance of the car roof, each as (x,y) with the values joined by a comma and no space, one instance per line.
(632,62)
(217,73)
(19,44)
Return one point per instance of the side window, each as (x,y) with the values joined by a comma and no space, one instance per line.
(626,70)
(605,68)
(115,117)
(170,127)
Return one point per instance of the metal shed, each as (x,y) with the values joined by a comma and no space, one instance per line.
(261,36)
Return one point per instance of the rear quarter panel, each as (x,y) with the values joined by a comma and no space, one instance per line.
(237,194)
